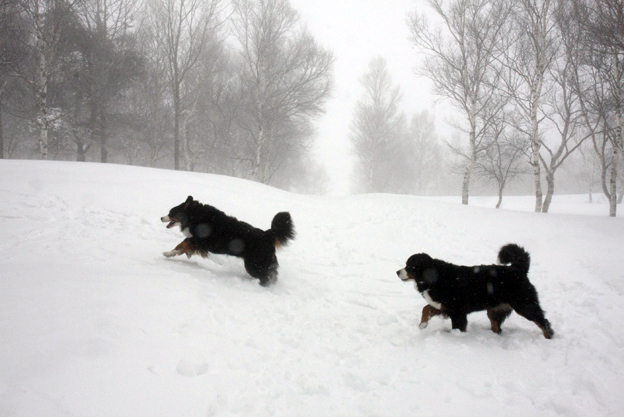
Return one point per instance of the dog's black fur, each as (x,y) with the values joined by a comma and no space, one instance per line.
(455,291)
(210,230)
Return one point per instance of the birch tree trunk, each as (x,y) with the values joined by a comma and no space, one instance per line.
(472,120)
(42,84)
(618,146)
(470,167)
(186,146)
(1,136)
(500,195)
(185,131)
(176,123)
(4,83)
(103,137)
(535,161)
(259,91)
(613,184)
(613,200)
(258,156)
(81,147)
(550,183)
(617,141)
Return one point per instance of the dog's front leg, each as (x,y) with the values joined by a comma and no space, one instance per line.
(186,247)
(427,313)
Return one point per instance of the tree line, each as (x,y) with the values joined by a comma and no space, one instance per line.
(226,87)
(234,87)
(535,82)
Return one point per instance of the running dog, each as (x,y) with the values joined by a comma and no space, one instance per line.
(209,230)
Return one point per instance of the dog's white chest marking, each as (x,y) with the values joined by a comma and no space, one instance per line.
(430,301)
(187,232)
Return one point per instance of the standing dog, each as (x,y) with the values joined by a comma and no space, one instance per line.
(208,229)
(454,291)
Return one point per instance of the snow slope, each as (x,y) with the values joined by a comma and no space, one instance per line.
(94,321)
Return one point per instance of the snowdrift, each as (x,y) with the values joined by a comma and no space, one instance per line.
(94,321)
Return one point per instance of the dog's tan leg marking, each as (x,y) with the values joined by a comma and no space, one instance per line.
(493,324)
(186,247)
(497,316)
(427,313)
(546,334)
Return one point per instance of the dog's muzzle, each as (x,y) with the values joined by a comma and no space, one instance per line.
(402,273)
(167,219)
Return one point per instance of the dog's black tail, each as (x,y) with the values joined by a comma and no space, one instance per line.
(282,229)
(516,256)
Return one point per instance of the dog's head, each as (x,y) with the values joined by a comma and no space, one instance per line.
(421,269)
(178,215)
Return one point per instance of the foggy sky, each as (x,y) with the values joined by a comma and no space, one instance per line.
(358,31)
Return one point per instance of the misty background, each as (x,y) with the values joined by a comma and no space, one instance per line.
(458,97)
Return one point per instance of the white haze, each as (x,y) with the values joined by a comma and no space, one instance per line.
(356,32)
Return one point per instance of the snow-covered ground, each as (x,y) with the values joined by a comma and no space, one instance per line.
(94,321)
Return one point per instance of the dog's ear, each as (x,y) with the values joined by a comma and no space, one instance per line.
(188,201)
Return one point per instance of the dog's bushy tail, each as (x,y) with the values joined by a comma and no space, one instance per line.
(516,256)
(282,229)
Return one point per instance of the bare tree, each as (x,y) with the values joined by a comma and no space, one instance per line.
(148,103)
(598,124)
(592,88)
(223,97)
(603,25)
(462,64)
(425,164)
(108,64)
(286,77)
(13,58)
(377,128)
(182,30)
(564,101)
(528,55)
(46,20)
(588,168)
(501,163)
(11,53)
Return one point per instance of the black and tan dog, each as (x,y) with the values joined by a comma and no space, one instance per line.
(455,291)
(209,230)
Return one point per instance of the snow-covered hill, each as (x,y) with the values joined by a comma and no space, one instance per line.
(94,321)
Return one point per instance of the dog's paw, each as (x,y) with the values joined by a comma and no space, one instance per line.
(423,325)
(171,253)
(271,279)
(267,282)
(548,332)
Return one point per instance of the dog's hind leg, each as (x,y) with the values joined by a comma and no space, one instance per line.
(264,270)
(533,312)
(271,277)
(497,316)
(427,313)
